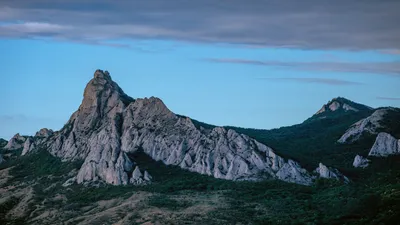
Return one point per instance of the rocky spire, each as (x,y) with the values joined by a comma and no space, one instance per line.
(109,125)
(93,133)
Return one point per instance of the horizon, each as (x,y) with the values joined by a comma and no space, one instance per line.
(206,60)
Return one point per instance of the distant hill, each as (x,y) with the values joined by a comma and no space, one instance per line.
(339,106)
(315,140)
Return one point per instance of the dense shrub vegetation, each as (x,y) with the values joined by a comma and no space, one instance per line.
(315,141)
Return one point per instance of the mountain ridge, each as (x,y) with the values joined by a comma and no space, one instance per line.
(109,125)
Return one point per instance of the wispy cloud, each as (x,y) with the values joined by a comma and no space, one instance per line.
(326,81)
(314,24)
(390,51)
(391,68)
(389,98)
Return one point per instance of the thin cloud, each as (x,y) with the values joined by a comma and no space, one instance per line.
(389,98)
(390,51)
(327,81)
(390,68)
(314,24)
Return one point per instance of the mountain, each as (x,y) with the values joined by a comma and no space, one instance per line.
(169,164)
(339,106)
(110,126)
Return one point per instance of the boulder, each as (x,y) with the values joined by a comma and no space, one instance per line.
(360,161)
(323,171)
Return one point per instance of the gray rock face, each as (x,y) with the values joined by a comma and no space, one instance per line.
(15,142)
(2,159)
(147,176)
(385,145)
(349,108)
(334,105)
(109,126)
(330,173)
(152,128)
(366,125)
(29,146)
(93,133)
(360,161)
(39,140)
(44,133)
(138,178)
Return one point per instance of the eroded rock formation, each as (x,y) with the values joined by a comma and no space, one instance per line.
(330,173)
(385,145)
(109,126)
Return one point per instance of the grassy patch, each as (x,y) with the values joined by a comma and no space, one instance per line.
(166,202)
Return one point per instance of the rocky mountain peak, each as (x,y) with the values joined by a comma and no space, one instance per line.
(340,104)
(109,126)
(102,88)
(100,74)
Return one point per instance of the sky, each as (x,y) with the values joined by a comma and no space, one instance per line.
(259,64)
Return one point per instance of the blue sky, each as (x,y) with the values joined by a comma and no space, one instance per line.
(255,80)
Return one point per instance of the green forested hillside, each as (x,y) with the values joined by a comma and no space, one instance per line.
(314,141)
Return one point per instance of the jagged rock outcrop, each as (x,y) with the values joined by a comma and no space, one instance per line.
(16,142)
(385,145)
(29,146)
(44,133)
(339,103)
(93,133)
(2,159)
(360,161)
(40,139)
(138,178)
(147,176)
(151,127)
(109,126)
(330,173)
(366,125)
